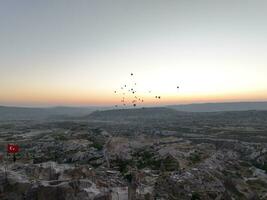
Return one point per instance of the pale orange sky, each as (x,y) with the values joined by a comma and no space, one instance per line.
(78,53)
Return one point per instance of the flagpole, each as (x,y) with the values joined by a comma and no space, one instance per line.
(14,157)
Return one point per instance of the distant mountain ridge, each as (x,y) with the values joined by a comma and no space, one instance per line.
(219,107)
(28,113)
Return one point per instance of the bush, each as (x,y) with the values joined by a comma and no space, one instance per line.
(98,146)
(194,157)
(195,196)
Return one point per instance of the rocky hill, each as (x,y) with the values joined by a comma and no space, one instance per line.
(218,107)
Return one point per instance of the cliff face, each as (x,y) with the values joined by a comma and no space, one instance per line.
(51,183)
(213,178)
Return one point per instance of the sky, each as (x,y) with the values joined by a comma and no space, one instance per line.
(79,52)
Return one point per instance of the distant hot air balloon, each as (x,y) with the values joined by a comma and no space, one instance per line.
(134,99)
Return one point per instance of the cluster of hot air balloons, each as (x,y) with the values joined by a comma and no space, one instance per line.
(129,94)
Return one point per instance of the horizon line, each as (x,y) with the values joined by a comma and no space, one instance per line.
(107,106)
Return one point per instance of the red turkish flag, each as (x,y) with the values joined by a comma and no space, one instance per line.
(12,148)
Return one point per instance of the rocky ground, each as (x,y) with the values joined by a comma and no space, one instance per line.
(124,159)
